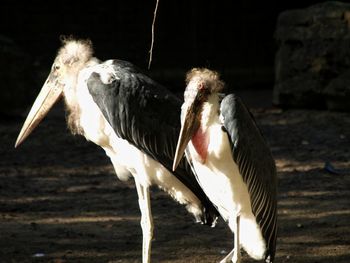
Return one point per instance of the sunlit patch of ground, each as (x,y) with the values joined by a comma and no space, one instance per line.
(61,202)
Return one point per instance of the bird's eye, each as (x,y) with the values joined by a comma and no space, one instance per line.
(56,67)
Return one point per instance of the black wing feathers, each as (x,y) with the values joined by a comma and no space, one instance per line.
(256,165)
(147,115)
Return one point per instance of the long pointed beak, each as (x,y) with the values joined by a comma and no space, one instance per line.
(49,94)
(189,127)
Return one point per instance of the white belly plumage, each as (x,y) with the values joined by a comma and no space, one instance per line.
(221,181)
(126,158)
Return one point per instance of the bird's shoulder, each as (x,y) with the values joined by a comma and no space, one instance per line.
(247,141)
(131,101)
(130,81)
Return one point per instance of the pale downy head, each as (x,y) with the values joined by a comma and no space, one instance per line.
(201,83)
(70,59)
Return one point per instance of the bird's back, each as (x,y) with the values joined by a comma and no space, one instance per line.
(256,165)
(146,114)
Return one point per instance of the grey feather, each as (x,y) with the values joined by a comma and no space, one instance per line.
(256,165)
(146,114)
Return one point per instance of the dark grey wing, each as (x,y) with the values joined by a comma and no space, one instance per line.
(256,165)
(147,115)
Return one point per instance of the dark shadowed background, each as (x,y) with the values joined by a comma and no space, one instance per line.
(234,37)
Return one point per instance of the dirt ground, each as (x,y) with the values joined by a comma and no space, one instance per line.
(61,202)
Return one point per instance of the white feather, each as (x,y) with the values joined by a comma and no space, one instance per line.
(221,181)
(126,158)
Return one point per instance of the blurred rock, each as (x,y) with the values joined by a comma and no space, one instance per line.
(337,92)
(312,63)
(17,78)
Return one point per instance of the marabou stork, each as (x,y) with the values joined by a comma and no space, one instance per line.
(133,118)
(232,163)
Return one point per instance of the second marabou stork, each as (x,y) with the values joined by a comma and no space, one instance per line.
(133,118)
(232,162)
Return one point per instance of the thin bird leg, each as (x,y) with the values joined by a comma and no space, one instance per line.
(236,258)
(235,254)
(228,258)
(146,220)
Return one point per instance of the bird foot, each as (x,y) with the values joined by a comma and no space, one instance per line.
(228,258)
(232,258)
